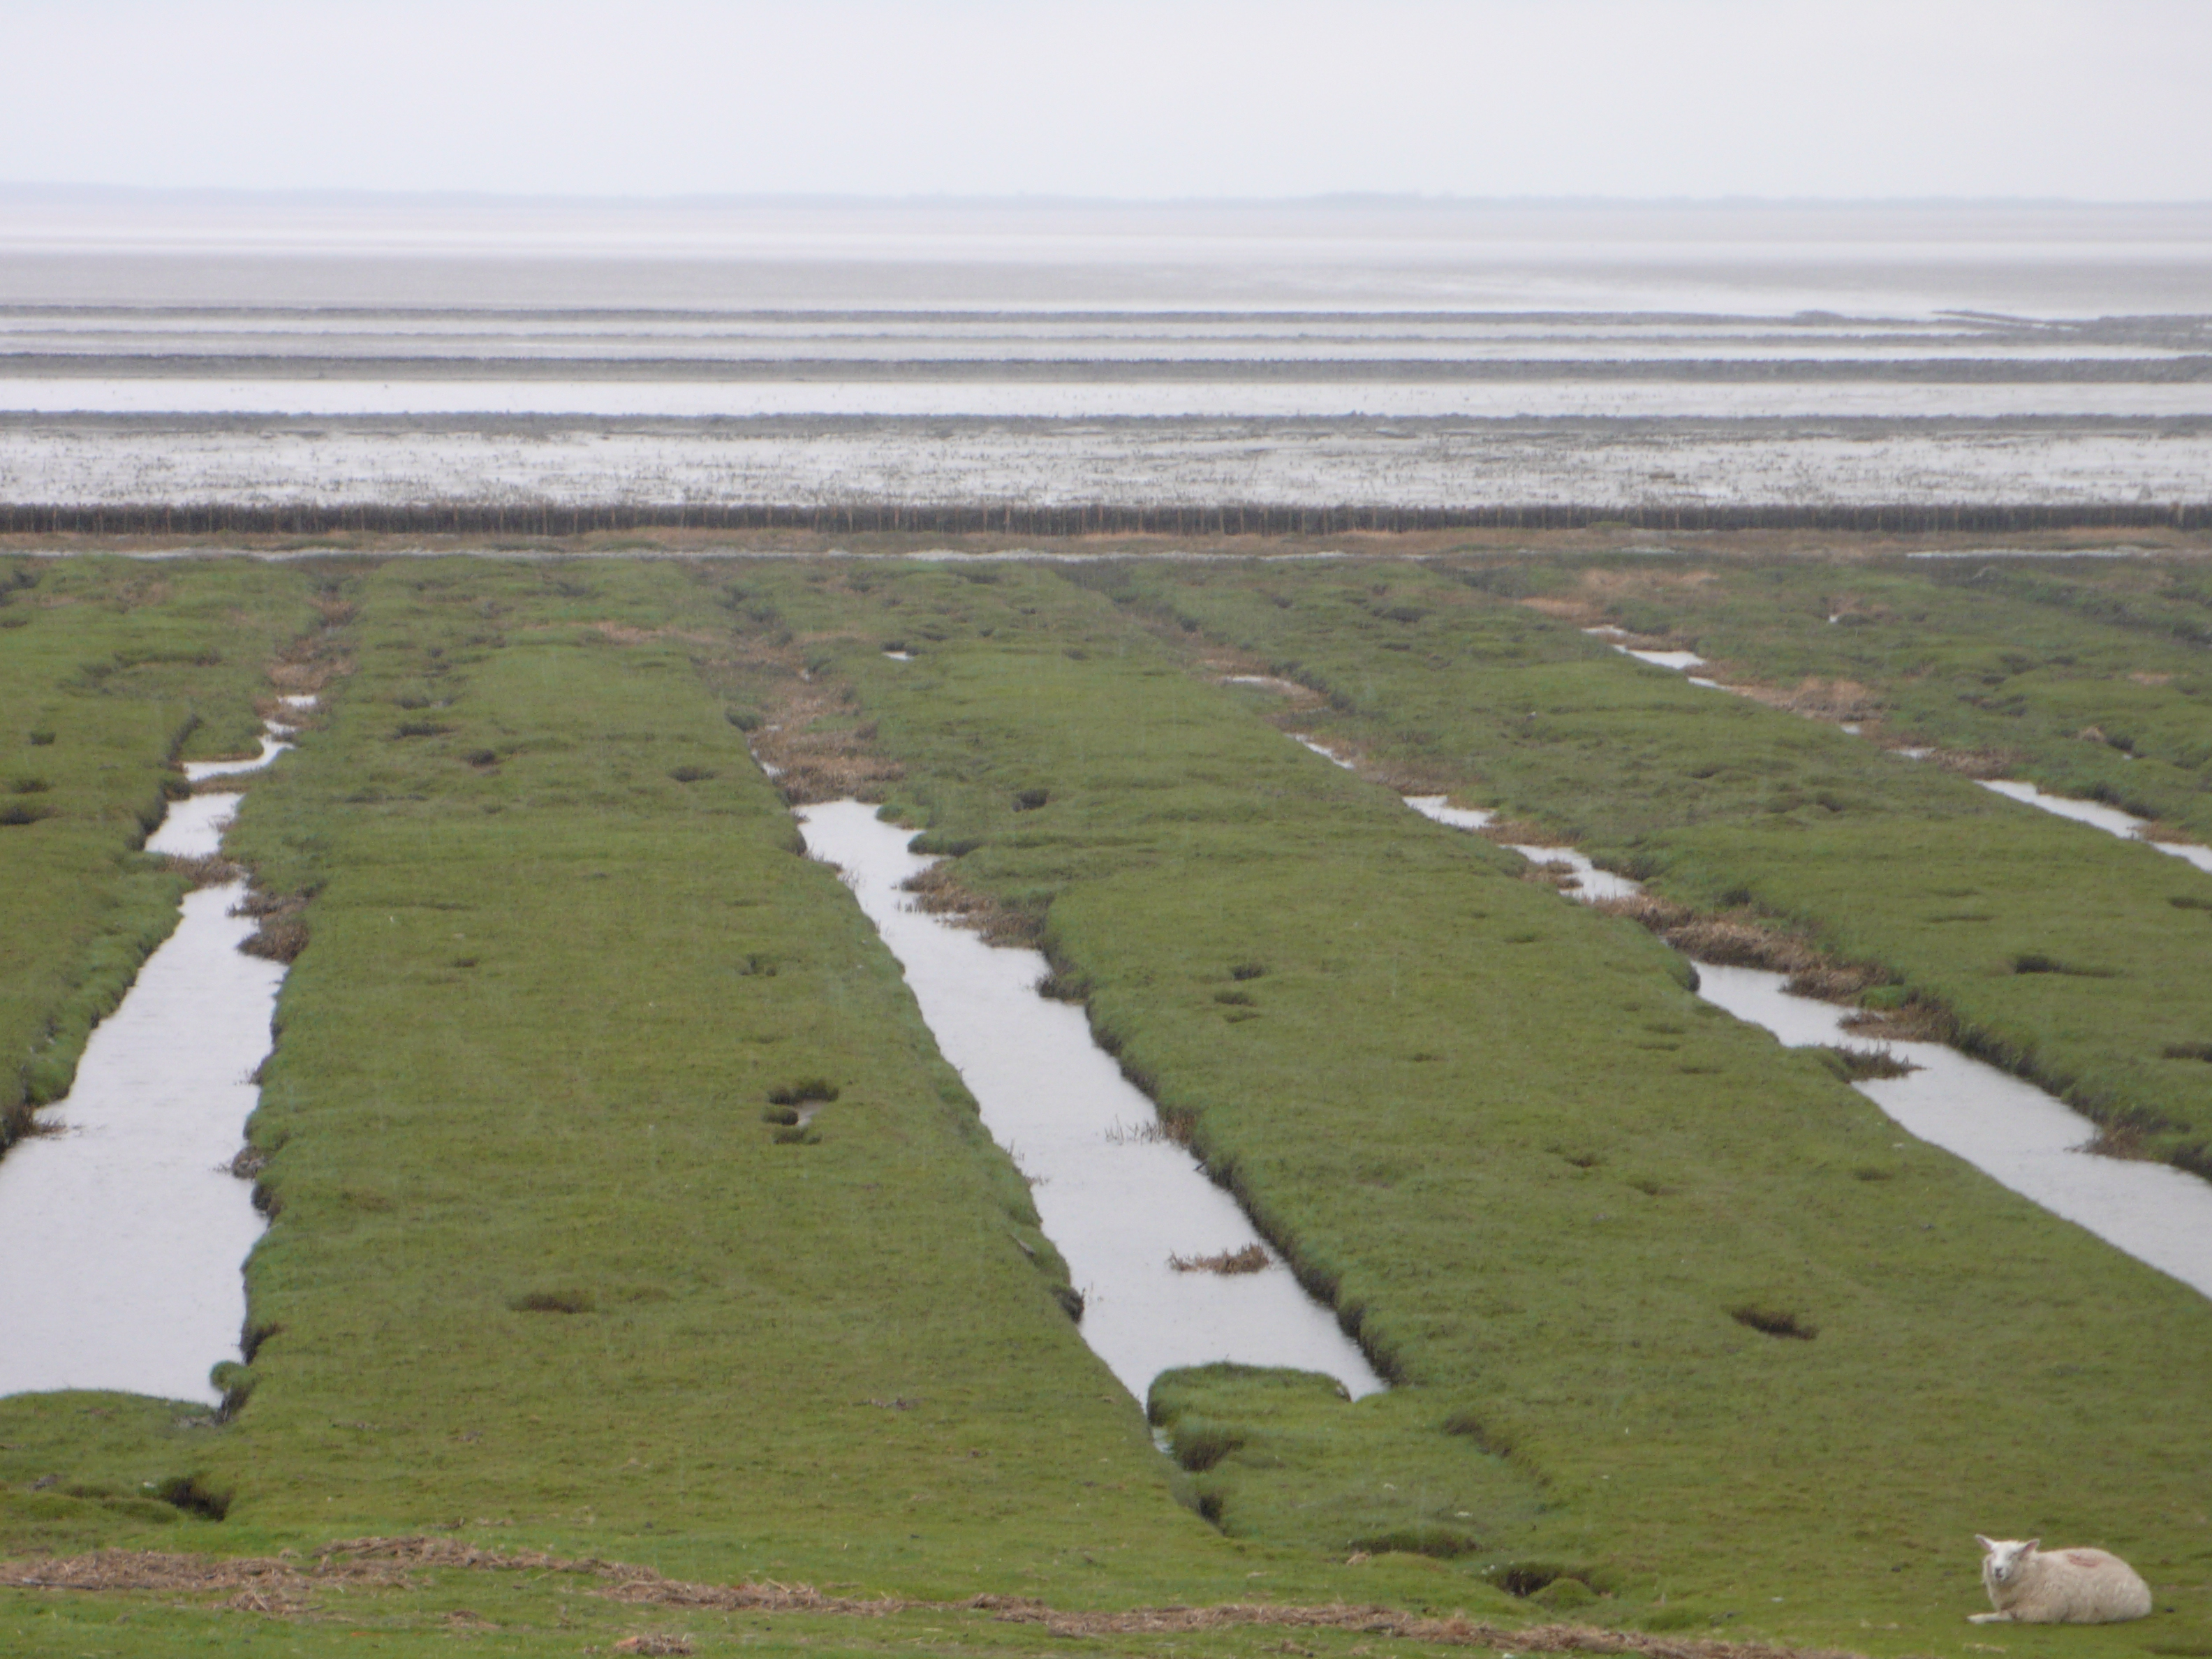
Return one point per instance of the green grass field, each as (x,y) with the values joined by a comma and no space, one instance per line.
(542,1276)
(2071,956)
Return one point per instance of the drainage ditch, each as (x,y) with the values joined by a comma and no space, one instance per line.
(123,1231)
(2025,1139)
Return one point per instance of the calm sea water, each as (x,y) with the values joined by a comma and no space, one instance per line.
(1773,330)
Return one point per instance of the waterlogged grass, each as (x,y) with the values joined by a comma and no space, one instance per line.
(107,672)
(2022,666)
(1538,1178)
(1444,679)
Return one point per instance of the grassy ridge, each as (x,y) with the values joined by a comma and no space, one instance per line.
(1962,656)
(107,672)
(1724,801)
(1536,1174)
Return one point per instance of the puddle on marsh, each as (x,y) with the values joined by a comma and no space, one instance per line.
(121,1237)
(2010,1130)
(1115,1206)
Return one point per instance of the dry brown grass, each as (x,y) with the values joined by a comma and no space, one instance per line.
(1584,613)
(274,1578)
(938,891)
(208,870)
(1916,1021)
(1816,699)
(2121,1140)
(2166,830)
(1742,939)
(1252,1259)
(282,1586)
(819,752)
(282,933)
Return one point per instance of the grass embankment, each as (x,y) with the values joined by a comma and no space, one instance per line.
(541,1273)
(1546,1184)
(2044,673)
(108,672)
(2080,960)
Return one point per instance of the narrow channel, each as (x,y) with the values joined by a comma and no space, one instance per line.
(123,1233)
(1115,1196)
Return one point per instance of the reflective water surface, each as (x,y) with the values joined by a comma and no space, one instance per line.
(1116,1201)
(122,1230)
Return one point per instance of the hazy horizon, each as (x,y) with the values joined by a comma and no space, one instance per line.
(1152,100)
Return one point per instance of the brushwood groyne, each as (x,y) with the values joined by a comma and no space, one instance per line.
(526,519)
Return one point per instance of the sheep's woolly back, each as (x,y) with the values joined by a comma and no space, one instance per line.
(2065,1587)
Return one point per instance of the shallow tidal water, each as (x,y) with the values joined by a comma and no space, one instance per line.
(123,1233)
(1117,1205)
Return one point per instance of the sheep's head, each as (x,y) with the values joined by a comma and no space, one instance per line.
(2003,1559)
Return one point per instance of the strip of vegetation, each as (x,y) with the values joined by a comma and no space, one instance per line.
(109,670)
(1440,680)
(1535,1176)
(2051,676)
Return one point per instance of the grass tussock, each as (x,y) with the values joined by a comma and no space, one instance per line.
(554,1301)
(1911,1021)
(208,870)
(1862,1064)
(940,891)
(1742,939)
(280,932)
(818,751)
(806,1090)
(1252,1259)
(1775,1321)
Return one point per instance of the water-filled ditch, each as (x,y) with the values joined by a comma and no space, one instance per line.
(121,1230)
(2010,1130)
(1115,1196)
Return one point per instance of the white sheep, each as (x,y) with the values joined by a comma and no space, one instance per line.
(2028,1585)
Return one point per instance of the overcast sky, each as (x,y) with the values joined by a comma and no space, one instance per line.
(2094,100)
